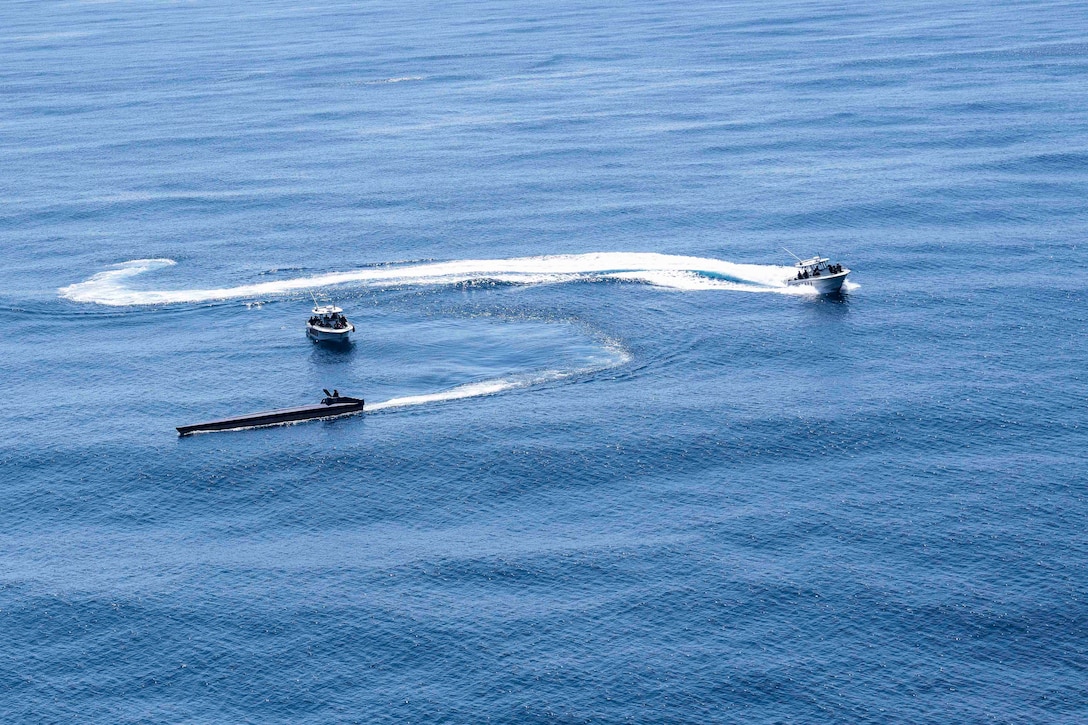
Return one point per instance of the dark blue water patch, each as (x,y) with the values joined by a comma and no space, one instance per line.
(993,106)
(135,205)
(853,82)
(1068,162)
(930,213)
(979,138)
(580,153)
(1075,49)
(884,62)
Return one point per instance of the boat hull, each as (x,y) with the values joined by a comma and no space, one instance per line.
(275,417)
(827,284)
(321,334)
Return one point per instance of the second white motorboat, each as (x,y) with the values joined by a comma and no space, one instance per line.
(819,273)
(328,324)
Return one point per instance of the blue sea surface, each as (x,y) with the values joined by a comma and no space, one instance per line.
(613,470)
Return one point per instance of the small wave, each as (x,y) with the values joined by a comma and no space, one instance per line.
(40,37)
(111,287)
(384,81)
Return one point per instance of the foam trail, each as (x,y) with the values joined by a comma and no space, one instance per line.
(661,270)
(470,390)
(460,392)
(616,356)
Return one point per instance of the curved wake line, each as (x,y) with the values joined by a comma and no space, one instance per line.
(619,357)
(499,385)
(468,390)
(660,270)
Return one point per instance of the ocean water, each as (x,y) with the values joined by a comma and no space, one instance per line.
(612,470)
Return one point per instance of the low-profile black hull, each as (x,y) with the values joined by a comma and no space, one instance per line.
(274,417)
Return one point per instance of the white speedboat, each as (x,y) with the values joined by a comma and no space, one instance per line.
(819,273)
(328,324)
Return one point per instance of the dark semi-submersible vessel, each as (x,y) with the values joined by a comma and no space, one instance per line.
(331,406)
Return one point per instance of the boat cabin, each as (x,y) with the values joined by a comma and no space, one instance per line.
(329,317)
(816,267)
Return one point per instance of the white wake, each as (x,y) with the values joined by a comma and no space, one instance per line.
(111,287)
(616,357)
(613,356)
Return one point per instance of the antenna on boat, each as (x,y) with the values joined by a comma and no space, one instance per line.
(313,298)
(793,255)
